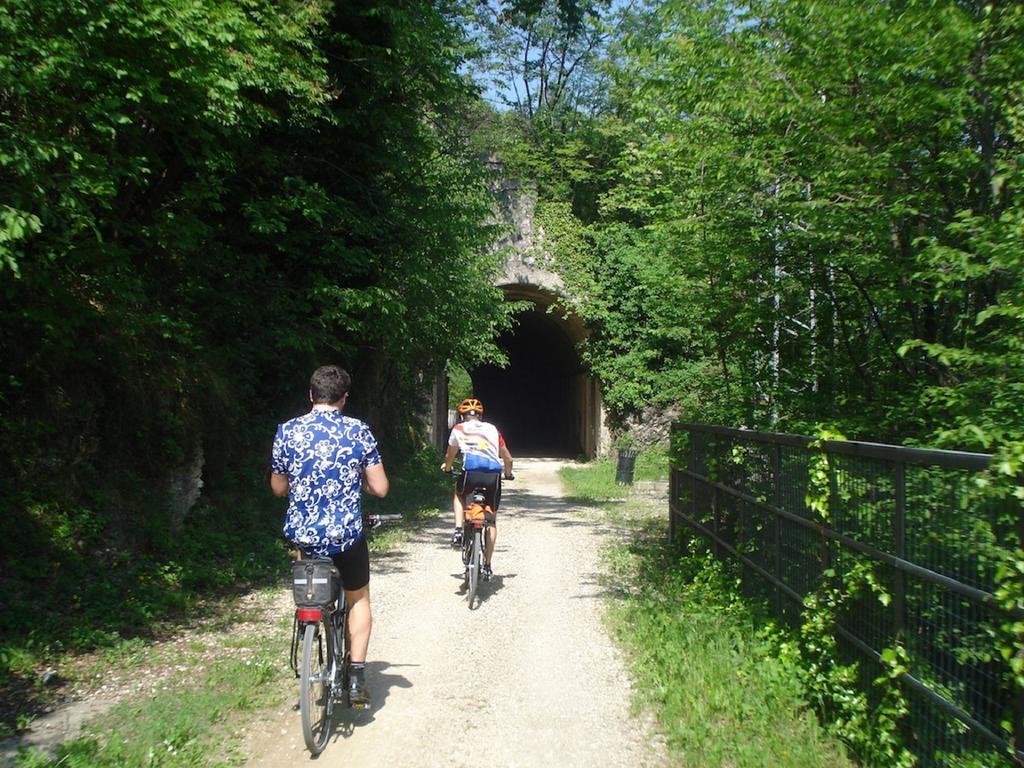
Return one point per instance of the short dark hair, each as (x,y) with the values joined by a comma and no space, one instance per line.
(329,383)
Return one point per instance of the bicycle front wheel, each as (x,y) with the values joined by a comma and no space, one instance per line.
(476,559)
(314,688)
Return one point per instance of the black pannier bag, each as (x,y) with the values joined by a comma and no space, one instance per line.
(315,582)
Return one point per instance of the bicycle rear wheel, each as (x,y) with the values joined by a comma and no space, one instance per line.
(315,705)
(476,559)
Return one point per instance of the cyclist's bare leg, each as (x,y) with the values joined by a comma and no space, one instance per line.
(460,512)
(360,621)
(490,537)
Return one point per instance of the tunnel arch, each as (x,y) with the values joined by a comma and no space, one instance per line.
(545,401)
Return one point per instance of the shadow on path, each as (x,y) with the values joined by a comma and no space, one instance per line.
(346,720)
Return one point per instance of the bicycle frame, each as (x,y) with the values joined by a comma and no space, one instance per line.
(313,615)
(477,518)
(323,669)
(469,527)
(476,515)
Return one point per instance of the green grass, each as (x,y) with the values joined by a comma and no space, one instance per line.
(416,493)
(189,719)
(18,659)
(93,598)
(596,480)
(712,670)
(652,464)
(91,595)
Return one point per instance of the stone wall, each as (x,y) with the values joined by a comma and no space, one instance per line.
(652,426)
(526,261)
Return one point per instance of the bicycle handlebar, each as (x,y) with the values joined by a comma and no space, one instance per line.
(456,472)
(373,520)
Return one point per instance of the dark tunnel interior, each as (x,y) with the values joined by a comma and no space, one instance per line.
(533,400)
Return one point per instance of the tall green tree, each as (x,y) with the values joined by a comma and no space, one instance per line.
(828,191)
(540,57)
(200,203)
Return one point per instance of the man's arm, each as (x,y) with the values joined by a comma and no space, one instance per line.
(449,457)
(506,459)
(279,464)
(279,484)
(375,480)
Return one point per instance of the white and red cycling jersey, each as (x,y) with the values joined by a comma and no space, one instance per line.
(481,445)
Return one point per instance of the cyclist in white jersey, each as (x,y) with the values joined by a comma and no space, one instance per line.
(484,457)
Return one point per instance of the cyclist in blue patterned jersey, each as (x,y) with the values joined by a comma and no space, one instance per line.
(323,461)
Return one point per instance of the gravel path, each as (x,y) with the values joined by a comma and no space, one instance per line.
(530,678)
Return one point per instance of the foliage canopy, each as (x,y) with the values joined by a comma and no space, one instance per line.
(199,204)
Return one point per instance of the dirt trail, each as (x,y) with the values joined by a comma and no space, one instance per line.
(530,678)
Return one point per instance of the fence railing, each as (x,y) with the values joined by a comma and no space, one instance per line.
(931,536)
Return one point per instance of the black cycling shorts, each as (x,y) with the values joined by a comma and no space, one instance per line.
(489,481)
(354,565)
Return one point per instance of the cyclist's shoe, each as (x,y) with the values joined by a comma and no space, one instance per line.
(457,538)
(358,693)
(486,572)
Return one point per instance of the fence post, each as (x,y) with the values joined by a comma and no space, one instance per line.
(673,499)
(1018,702)
(693,475)
(740,509)
(833,502)
(777,503)
(900,578)
(714,521)
(714,505)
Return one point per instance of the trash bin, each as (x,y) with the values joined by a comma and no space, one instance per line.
(625,466)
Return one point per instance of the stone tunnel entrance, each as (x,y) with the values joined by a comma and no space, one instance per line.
(545,402)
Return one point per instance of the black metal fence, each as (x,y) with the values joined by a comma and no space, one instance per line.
(933,537)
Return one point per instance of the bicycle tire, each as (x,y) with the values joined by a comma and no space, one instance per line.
(475,563)
(315,704)
(467,548)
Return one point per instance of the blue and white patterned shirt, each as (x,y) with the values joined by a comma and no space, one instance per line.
(324,453)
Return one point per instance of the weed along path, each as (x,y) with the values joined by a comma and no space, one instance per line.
(530,678)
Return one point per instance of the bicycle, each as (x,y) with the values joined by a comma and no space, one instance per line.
(477,516)
(320,628)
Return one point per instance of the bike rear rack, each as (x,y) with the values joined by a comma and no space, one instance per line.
(293,657)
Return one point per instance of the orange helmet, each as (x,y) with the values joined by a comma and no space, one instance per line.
(471,404)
